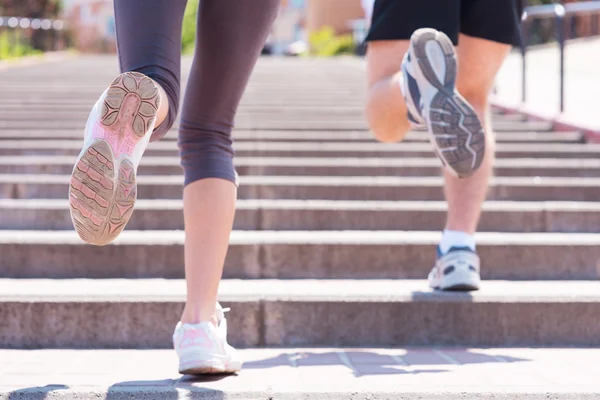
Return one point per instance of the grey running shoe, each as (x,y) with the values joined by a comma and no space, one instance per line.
(458,269)
(429,70)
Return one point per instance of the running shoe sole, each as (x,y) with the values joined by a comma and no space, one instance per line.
(456,271)
(456,130)
(103,187)
(207,365)
(460,283)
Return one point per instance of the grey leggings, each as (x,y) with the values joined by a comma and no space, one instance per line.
(230,37)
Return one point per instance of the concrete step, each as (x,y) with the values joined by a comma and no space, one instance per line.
(53,214)
(38,139)
(318,166)
(21,186)
(262,123)
(65,109)
(246,112)
(84,102)
(142,313)
(309,373)
(395,150)
(297,254)
(344,150)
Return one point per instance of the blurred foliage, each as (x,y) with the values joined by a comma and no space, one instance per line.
(324,43)
(13,42)
(31,8)
(188,35)
(11,46)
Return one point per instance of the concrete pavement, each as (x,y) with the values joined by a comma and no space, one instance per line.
(305,373)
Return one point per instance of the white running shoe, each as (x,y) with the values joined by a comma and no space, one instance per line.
(458,269)
(202,348)
(103,188)
(429,79)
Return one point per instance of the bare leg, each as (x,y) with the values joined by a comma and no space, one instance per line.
(386,109)
(222,65)
(163,108)
(479,62)
(209,207)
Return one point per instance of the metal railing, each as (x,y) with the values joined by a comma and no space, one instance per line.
(19,34)
(563,16)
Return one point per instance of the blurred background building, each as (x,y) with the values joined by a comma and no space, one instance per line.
(92,24)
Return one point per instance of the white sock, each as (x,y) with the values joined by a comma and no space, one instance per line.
(456,239)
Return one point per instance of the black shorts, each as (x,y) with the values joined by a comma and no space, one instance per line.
(496,20)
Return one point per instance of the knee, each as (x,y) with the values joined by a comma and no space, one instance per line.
(385,120)
(389,135)
(476,95)
(205,153)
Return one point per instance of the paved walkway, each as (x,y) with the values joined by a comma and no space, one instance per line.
(307,373)
(582,82)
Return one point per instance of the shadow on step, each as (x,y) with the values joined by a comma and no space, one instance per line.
(168,389)
(383,362)
(36,393)
(165,389)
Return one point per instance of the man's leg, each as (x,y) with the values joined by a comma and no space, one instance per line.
(385,108)
(479,62)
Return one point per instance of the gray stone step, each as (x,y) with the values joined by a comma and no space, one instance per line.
(297,254)
(142,313)
(262,123)
(395,150)
(33,139)
(21,186)
(53,214)
(318,166)
(63,108)
(345,150)
(246,112)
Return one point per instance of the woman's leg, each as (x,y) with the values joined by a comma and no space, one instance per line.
(231,34)
(149,42)
(139,105)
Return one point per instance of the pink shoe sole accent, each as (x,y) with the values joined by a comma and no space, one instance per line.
(103,186)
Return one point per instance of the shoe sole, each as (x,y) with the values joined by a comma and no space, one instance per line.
(206,371)
(103,187)
(210,367)
(456,130)
(459,281)
(460,286)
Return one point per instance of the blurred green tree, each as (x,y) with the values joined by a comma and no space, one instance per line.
(31,8)
(188,35)
(20,43)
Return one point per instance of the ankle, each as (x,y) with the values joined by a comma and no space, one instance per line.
(163,109)
(196,315)
(452,238)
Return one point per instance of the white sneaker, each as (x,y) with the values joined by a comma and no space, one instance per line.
(103,188)
(429,78)
(202,348)
(458,269)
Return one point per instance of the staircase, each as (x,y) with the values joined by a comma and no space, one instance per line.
(333,237)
